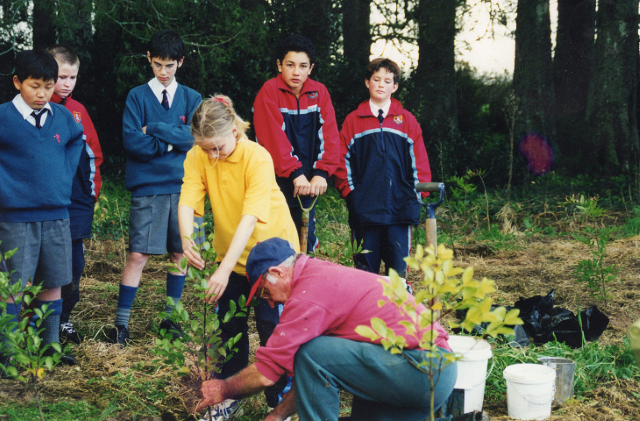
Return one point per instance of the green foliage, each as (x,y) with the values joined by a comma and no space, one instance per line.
(594,272)
(632,225)
(28,362)
(201,351)
(67,410)
(446,289)
(111,215)
(595,365)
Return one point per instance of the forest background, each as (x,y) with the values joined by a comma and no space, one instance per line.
(580,94)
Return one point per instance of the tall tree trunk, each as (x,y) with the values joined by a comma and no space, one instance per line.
(533,74)
(572,66)
(44,33)
(433,98)
(611,113)
(356,33)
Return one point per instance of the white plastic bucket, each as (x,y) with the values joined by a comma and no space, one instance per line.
(530,390)
(472,369)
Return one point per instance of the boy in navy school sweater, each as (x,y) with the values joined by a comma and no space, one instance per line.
(382,158)
(157,136)
(40,146)
(86,183)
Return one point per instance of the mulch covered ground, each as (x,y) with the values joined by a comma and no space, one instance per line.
(110,377)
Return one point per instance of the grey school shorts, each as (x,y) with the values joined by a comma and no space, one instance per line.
(153,224)
(44,252)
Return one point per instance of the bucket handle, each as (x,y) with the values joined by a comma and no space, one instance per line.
(493,364)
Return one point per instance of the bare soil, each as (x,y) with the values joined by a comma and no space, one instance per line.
(113,378)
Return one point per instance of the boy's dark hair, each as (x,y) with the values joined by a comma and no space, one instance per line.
(296,43)
(64,53)
(384,63)
(166,44)
(37,65)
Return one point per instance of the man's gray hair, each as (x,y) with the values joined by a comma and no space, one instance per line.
(288,263)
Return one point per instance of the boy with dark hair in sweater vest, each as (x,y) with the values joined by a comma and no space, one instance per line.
(86,183)
(35,190)
(157,136)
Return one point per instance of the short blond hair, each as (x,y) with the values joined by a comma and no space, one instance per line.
(216,117)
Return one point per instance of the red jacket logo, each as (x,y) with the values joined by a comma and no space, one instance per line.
(57,137)
(77,116)
(397,119)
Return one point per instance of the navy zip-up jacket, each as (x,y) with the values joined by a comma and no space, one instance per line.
(380,165)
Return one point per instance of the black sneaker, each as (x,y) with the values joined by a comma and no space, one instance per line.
(68,333)
(173,328)
(119,335)
(65,359)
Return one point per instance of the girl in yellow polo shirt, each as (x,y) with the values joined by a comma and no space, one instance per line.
(247,207)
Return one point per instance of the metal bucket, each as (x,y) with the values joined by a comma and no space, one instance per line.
(565,370)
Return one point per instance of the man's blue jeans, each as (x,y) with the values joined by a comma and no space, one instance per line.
(385,387)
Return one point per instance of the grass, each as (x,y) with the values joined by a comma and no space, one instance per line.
(595,365)
(469,217)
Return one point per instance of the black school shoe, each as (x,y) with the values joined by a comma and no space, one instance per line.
(173,328)
(69,334)
(119,335)
(65,359)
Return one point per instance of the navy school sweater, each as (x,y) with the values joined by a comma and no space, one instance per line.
(151,168)
(37,165)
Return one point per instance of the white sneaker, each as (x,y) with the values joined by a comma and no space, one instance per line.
(224,410)
(269,409)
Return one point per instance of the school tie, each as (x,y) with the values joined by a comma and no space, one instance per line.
(380,116)
(38,116)
(165,100)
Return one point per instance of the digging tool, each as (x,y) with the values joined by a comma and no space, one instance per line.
(430,223)
(304,230)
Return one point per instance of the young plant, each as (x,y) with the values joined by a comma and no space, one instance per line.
(446,289)
(343,254)
(201,351)
(23,356)
(594,273)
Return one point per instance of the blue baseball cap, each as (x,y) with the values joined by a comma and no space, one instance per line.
(264,255)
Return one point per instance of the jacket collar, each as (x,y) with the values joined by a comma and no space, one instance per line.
(57,99)
(310,85)
(364,109)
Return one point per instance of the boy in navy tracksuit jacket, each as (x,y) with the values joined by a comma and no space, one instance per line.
(294,120)
(40,145)
(157,136)
(86,183)
(382,158)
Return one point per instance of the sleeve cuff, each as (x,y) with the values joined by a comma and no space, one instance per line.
(322,173)
(296,173)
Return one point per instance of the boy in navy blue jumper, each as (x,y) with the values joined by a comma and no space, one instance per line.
(157,136)
(382,158)
(40,146)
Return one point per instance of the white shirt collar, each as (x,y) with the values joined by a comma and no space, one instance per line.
(384,108)
(26,110)
(157,88)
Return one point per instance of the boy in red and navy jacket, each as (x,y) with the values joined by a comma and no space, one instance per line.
(382,158)
(294,120)
(86,183)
